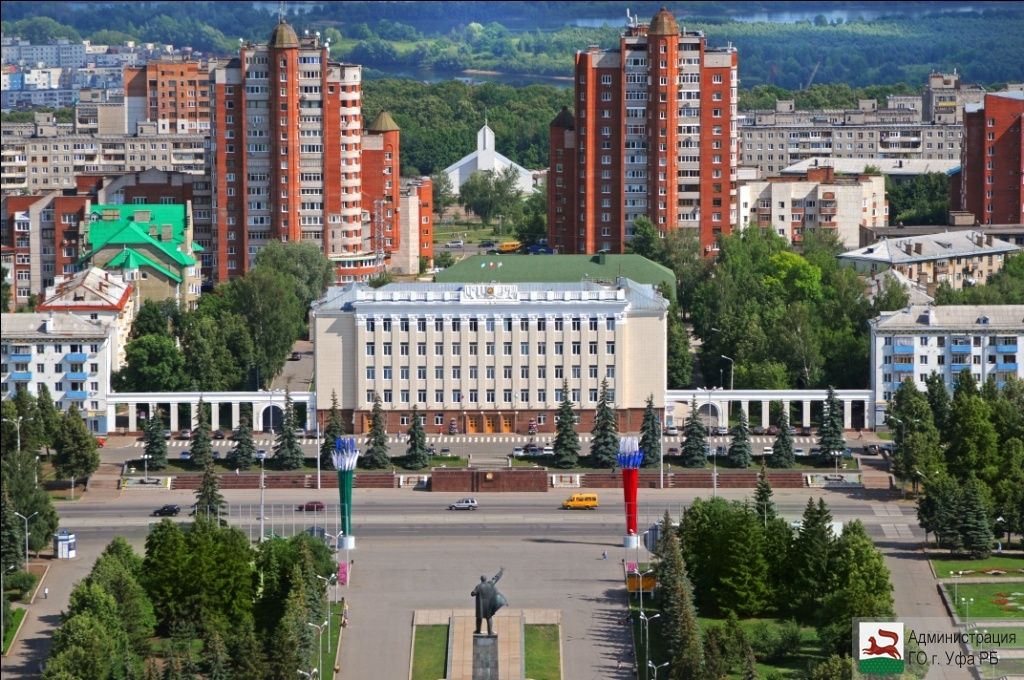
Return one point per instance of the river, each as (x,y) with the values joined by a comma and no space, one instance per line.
(791,17)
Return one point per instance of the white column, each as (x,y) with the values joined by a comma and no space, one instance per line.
(193,416)
(869,421)
(785,409)
(847,414)
(111,424)
(745,407)
(132,421)
(765,413)
(806,420)
(214,416)
(174,417)
(235,417)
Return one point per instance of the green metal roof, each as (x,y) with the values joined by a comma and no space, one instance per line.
(131,226)
(556,268)
(133,259)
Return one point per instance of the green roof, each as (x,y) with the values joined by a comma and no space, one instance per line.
(556,268)
(131,226)
(133,259)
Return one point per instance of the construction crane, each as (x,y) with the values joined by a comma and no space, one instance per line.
(814,72)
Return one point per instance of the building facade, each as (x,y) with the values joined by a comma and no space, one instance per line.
(964,258)
(285,142)
(914,342)
(654,135)
(489,357)
(487,159)
(990,183)
(71,355)
(794,205)
(174,94)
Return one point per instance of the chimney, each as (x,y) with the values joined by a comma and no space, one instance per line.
(48,323)
(930,314)
(917,248)
(988,239)
(908,248)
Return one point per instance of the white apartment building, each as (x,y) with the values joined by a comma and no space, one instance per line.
(488,357)
(71,355)
(791,205)
(914,342)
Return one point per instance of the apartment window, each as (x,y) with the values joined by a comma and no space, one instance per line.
(403,349)
(489,349)
(559,348)
(609,348)
(369,349)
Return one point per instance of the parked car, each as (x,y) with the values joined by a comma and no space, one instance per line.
(218,434)
(261,454)
(671,431)
(311,506)
(167,434)
(457,243)
(463,504)
(185,434)
(773,430)
(300,433)
(673,451)
(531,450)
(185,455)
(167,511)
(791,430)
(487,244)
(445,451)
(799,453)
(758,430)
(805,432)
(721,430)
(518,452)
(549,450)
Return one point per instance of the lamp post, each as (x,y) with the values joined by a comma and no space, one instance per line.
(646,623)
(317,454)
(17,426)
(732,370)
(1000,520)
(337,549)
(956,590)
(26,533)
(319,644)
(263,487)
(327,584)
(650,664)
(967,605)
(145,466)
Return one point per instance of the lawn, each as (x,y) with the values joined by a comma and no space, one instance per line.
(430,652)
(12,626)
(1016,643)
(542,652)
(331,643)
(1010,564)
(990,600)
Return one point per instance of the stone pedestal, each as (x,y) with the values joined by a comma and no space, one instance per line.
(485,657)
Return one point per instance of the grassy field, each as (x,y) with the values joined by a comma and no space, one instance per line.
(331,644)
(1006,563)
(430,651)
(1016,643)
(542,652)
(12,625)
(990,600)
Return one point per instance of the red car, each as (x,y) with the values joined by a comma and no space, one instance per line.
(311,506)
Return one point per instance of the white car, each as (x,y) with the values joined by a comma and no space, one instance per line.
(458,243)
(518,452)
(463,504)
(549,450)
(261,454)
(671,431)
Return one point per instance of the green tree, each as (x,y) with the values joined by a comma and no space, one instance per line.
(153,319)
(972,440)
(443,193)
(266,299)
(287,451)
(84,647)
(217,351)
(763,504)
(12,538)
(287,647)
(715,646)
(830,434)
(695,447)
(567,441)
(77,455)
(782,449)
(155,446)
(646,240)
(33,436)
(5,298)
(417,457)
(679,362)
(604,442)
(739,449)
(216,658)
(209,500)
(377,456)
(975,525)
(134,609)
(244,451)
(153,363)
(489,193)
(835,667)
(650,434)
(680,632)
(165,573)
(310,270)
(812,559)
(29,498)
(743,577)
(49,416)
(334,429)
(938,399)
(916,441)
(444,259)
(245,652)
(202,447)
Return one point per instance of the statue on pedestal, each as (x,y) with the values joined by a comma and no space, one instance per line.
(488,601)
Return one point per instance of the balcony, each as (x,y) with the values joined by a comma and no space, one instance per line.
(78,375)
(903,368)
(21,376)
(76,357)
(77,395)
(903,349)
(1007,349)
(19,358)
(960,349)
(1006,366)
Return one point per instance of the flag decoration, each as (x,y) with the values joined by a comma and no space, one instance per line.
(344,458)
(629,458)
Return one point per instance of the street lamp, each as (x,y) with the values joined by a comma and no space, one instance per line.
(17,425)
(967,605)
(313,673)
(145,464)
(646,622)
(650,664)
(26,533)
(327,584)
(263,487)
(319,642)
(732,371)
(337,549)
(956,590)
(1000,520)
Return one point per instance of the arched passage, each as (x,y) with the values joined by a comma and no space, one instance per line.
(271,418)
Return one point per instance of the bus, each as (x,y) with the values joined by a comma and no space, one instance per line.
(509,247)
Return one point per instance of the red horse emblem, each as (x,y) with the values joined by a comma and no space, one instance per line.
(873,649)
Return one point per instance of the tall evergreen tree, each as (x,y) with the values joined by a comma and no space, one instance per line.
(604,442)
(695,447)
(334,429)
(972,439)
(782,450)
(938,399)
(155,445)
(216,658)
(32,435)
(29,498)
(288,650)
(964,385)
(915,439)
(739,449)
(680,632)
(376,456)
(202,448)
(975,527)
(77,453)
(812,555)
(763,504)
(417,457)
(244,452)
(567,442)
(49,416)
(749,663)
(287,451)
(830,433)
(650,434)
(209,500)
(715,653)
(12,538)
(743,577)
(679,364)
(245,652)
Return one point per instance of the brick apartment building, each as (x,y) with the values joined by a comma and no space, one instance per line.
(990,183)
(174,94)
(654,135)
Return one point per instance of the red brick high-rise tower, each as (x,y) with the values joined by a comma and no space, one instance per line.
(991,180)
(654,135)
